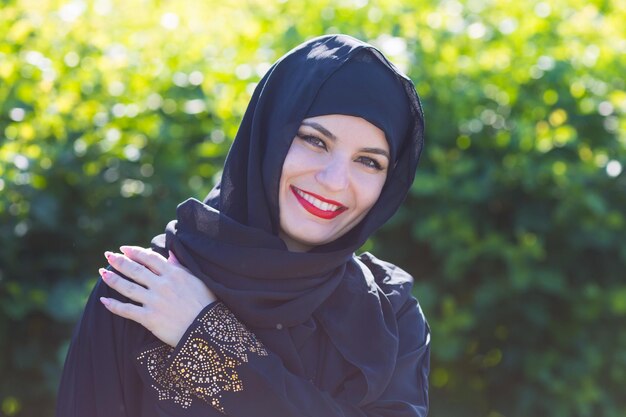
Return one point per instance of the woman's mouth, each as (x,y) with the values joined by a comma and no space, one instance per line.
(317,205)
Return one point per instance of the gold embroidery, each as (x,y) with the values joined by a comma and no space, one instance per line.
(205,365)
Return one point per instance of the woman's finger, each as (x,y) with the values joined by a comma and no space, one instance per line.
(126,310)
(146,257)
(125,287)
(173,259)
(131,269)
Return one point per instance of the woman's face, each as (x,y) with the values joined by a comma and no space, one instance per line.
(333,174)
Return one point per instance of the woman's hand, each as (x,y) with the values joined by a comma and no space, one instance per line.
(170,296)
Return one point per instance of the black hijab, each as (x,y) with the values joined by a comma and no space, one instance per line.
(231,242)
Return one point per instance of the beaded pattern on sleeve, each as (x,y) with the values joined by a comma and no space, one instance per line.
(205,365)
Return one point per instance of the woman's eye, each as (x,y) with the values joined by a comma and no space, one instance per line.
(370,163)
(313,140)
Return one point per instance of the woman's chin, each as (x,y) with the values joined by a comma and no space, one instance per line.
(302,241)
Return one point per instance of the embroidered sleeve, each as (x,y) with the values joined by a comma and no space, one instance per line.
(205,362)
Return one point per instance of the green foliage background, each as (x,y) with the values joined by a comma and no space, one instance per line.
(112,112)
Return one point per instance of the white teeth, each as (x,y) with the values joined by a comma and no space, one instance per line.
(317,203)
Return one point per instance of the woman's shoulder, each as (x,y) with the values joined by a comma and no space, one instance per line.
(392,280)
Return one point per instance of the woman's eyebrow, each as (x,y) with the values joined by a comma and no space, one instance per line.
(327,133)
(377,151)
(321,129)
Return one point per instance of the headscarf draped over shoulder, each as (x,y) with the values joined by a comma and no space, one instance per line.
(231,242)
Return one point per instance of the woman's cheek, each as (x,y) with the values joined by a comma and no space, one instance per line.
(369,187)
(300,158)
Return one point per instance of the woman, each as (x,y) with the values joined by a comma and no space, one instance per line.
(272,314)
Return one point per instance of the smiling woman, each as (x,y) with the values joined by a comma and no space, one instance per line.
(253,302)
(332,176)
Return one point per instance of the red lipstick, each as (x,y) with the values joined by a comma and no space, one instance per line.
(316,211)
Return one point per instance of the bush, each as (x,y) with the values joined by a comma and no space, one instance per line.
(112,113)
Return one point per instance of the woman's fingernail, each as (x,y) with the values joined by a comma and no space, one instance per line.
(103,272)
(105,301)
(108,255)
(124,248)
(172,258)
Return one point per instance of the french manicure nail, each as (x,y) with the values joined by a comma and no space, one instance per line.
(108,255)
(102,272)
(105,301)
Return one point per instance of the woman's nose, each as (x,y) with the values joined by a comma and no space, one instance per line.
(334,176)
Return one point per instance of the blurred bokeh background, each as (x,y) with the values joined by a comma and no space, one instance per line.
(114,111)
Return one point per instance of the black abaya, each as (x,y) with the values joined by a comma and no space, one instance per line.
(103,378)
(321,333)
